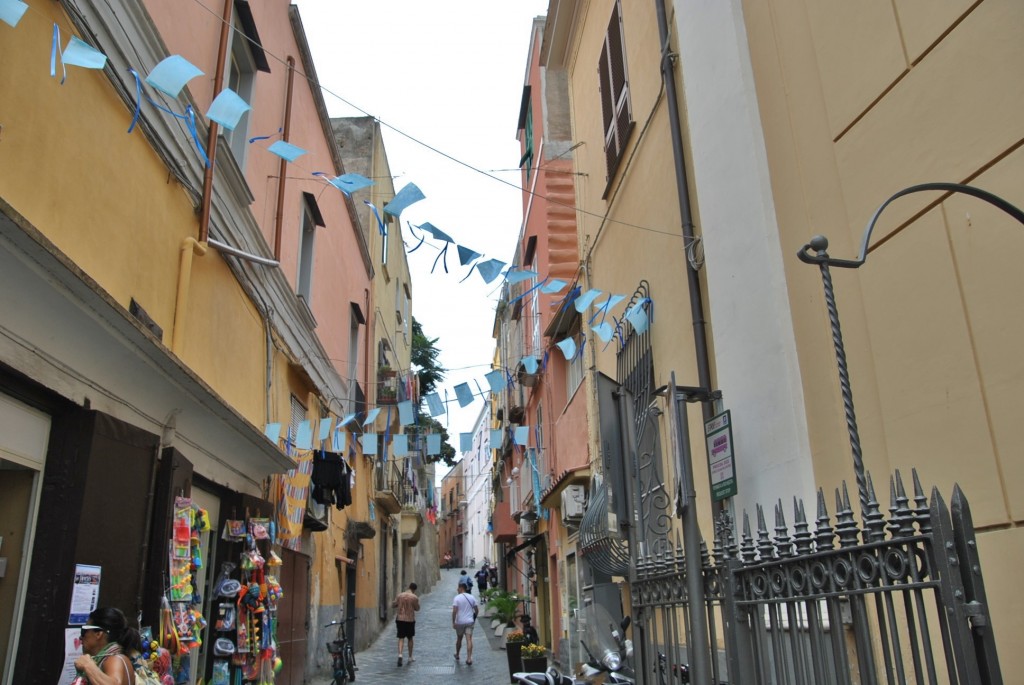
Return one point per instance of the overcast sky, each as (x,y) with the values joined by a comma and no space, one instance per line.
(448,74)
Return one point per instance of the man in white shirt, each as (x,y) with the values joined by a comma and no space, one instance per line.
(464,611)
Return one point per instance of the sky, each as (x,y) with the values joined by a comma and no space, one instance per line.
(445,79)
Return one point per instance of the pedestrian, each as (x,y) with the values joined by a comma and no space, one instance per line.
(464,611)
(530,635)
(465,581)
(108,643)
(405,619)
(493,571)
(447,560)
(482,576)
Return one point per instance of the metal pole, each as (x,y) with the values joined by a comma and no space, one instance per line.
(700,671)
(819,243)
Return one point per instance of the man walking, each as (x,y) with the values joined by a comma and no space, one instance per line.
(482,576)
(405,619)
(464,611)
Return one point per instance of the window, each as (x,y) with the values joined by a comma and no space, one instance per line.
(526,161)
(574,375)
(298,415)
(311,218)
(241,79)
(353,342)
(615,107)
(384,244)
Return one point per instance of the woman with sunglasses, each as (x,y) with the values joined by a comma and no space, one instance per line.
(107,643)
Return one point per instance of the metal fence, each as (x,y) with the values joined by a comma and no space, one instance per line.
(897,598)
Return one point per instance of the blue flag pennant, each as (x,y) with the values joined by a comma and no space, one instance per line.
(405,197)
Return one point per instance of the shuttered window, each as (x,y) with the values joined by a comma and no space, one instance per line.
(617,115)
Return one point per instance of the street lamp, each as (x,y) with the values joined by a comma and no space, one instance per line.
(816,252)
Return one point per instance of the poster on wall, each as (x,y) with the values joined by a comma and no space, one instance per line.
(72,650)
(86,593)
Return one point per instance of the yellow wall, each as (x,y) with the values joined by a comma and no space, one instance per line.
(858,102)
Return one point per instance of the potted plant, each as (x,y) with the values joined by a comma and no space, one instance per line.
(535,658)
(385,371)
(504,605)
(386,395)
(514,641)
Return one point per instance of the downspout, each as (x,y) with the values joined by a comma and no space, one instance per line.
(211,139)
(283,168)
(366,355)
(685,211)
(189,246)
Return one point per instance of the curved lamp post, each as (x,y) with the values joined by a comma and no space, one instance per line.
(816,252)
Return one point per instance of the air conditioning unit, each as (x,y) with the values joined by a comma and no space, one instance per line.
(573,499)
(527,526)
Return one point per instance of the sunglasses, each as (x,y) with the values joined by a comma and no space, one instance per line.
(85,629)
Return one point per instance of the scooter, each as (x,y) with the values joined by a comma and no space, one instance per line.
(607,649)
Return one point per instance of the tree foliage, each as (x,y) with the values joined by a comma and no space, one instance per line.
(429,371)
(424,356)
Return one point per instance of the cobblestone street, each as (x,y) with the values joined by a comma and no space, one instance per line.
(435,647)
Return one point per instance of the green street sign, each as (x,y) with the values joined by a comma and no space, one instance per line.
(721,461)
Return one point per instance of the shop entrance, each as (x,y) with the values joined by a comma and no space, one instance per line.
(24,435)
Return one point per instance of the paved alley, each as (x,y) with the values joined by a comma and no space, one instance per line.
(435,647)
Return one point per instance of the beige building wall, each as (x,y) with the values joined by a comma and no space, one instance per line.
(856,104)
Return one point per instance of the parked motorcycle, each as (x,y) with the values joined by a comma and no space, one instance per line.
(607,650)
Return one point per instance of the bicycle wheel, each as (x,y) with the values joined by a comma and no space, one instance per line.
(350,662)
(340,675)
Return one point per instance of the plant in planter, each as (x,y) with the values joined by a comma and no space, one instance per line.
(385,371)
(535,658)
(514,641)
(386,395)
(504,604)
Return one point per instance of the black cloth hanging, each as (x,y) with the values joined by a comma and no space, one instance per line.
(331,479)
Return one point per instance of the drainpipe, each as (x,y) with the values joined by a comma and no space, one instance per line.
(366,344)
(699,656)
(283,168)
(211,139)
(189,246)
(685,212)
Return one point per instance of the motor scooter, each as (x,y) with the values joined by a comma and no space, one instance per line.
(607,650)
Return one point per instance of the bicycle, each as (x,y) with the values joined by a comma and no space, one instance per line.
(343,659)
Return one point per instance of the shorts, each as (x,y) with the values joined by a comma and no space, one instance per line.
(406,629)
(463,629)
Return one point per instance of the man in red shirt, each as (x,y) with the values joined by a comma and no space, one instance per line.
(405,619)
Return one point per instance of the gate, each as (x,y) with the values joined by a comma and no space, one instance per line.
(896,597)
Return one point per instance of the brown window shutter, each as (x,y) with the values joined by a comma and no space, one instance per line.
(616,114)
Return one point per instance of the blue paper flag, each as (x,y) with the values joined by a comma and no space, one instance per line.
(568,348)
(350,183)
(467,255)
(338,441)
(604,331)
(436,232)
(325,428)
(369,441)
(465,442)
(304,436)
(490,269)
(433,444)
(584,300)
(273,431)
(555,285)
(434,404)
(11,11)
(344,421)
(530,364)
(516,275)
(406,196)
(522,435)
(78,53)
(637,316)
(496,379)
(286,151)
(400,445)
(405,413)
(171,75)
(464,394)
(371,416)
(227,109)
(496,438)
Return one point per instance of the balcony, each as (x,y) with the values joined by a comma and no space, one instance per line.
(387,483)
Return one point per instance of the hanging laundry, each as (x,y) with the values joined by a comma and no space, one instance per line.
(331,479)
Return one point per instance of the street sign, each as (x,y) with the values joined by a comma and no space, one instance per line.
(721,461)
